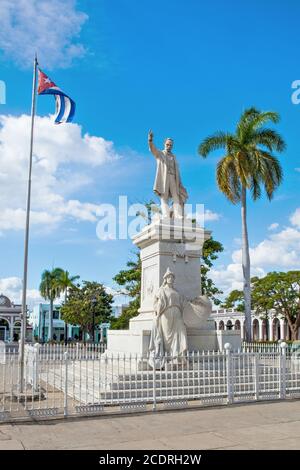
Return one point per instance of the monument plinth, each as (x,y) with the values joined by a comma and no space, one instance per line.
(173,244)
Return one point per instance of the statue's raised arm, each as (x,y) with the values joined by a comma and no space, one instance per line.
(152,147)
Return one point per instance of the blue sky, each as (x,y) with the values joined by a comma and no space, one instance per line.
(184,69)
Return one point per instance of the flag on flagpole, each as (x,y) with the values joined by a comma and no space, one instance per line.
(65,106)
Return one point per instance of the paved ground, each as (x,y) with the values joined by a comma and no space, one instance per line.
(255,426)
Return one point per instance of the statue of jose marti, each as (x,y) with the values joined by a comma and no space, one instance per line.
(173,313)
(167,184)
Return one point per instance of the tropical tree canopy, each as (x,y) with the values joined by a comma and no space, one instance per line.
(66,281)
(78,308)
(235,299)
(50,288)
(279,291)
(249,161)
(210,252)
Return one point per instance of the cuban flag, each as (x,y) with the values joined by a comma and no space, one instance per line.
(65,107)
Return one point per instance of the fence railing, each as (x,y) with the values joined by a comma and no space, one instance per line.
(59,381)
(78,351)
(265,347)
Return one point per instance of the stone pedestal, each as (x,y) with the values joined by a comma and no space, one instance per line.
(177,245)
(168,244)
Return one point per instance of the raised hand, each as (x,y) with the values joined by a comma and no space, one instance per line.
(150,136)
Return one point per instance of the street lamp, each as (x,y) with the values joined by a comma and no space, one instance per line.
(93,301)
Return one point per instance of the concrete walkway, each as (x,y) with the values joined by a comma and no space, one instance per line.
(273,425)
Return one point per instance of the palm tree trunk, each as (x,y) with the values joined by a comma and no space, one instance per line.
(246,268)
(50,332)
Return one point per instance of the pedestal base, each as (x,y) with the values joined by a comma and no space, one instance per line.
(136,342)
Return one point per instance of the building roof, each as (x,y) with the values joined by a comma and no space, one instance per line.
(4,301)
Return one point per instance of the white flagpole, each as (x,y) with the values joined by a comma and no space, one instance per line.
(24,303)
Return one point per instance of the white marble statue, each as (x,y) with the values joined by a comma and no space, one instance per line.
(168,334)
(167,184)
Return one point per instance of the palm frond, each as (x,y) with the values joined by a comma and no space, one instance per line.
(228,180)
(268,138)
(219,140)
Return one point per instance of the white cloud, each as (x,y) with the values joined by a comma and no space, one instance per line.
(273,226)
(295,218)
(202,216)
(48,27)
(278,251)
(210,216)
(55,149)
(230,277)
(12,288)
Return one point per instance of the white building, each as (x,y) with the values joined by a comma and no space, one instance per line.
(39,319)
(10,320)
(271,328)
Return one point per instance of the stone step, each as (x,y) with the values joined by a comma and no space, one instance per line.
(90,396)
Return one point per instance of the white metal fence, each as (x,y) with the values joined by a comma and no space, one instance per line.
(264,347)
(66,382)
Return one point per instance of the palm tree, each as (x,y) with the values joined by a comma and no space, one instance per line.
(50,290)
(248,165)
(66,282)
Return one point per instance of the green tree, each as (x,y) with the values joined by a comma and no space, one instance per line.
(66,282)
(78,309)
(235,299)
(248,165)
(279,291)
(211,250)
(50,290)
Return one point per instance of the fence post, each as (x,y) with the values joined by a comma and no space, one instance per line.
(154,385)
(35,371)
(66,357)
(256,376)
(229,377)
(282,370)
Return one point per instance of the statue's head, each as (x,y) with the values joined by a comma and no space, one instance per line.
(169,278)
(168,144)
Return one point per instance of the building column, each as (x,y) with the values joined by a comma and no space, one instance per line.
(271,334)
(69,331)
(253,331)
(282,329)
(242,329)
(260,330)
(11,330)
(40,325)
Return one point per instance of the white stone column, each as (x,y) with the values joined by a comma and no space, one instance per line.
(260,330)
(11,330)
(40,324)
(282,329)
(271,335)
(242,329)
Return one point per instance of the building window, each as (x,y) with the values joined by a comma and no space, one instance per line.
(56,315)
